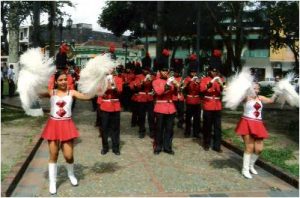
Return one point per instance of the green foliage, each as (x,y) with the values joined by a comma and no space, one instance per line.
(10,114)
(278,158)
(293,130)
(4,170)
(266,91)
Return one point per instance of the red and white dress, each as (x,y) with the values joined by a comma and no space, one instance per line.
(251,122)
(60,125)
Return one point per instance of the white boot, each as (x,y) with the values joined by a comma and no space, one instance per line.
(246,165)
(253,159)
(70,168)
(52,168)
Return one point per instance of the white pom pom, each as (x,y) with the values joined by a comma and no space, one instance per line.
(238,87)
(93,77)
(286,92)
(35,71)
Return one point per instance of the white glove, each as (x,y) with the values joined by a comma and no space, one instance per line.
(195,78)
(109,78)
(217,78)
(170,81)
(148,77)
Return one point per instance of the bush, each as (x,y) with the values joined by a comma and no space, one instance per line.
(266,91)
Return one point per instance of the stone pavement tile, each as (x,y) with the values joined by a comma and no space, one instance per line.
(138,172)
(248,194)
(293,193)
(218,195)
(199,195)
(273,182)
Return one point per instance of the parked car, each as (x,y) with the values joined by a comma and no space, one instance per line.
(267,82)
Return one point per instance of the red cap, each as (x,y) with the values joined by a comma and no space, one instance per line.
(193,57)
(147,54)
(64,48)
(112,48)
(166,52)
(217,53)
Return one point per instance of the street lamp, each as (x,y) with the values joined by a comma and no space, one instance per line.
(144,28)
(60,22)
(69,23)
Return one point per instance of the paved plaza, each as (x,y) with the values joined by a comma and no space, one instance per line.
(138,172)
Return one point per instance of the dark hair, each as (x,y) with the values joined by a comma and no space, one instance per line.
(58,73)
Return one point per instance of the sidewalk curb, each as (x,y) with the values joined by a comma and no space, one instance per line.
(13,178)
(278,172)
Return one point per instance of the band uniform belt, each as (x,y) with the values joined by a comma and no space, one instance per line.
(164,101)
(193,96)
(212,97)
(54,118)
(110,100)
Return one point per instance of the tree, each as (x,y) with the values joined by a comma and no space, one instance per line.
(17,12)
(4,41)
(231,18)
(284,27)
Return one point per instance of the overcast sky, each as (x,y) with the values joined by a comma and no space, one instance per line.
(85,11)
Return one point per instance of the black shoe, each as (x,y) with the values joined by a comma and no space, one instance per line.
(141,136)
(156,152)
(196,136)
(186,135)
(171,152)
(104,151)
(218,150)
(206,147)
(117,152)
(179,126)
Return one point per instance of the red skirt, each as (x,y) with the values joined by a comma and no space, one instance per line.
(62,130)
(248,126)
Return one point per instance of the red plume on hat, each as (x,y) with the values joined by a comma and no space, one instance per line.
(147,54)
(166,52)
(137,64)
(64,48)
(193,57)
(217,53)
(112,48)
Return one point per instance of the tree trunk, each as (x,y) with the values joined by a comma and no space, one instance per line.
(14,24)
(36,42)
(296,56)
(176,46)
(52,28)
(159,43)
(4,28)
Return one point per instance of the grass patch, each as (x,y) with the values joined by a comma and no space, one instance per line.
(4,170)
(10,114)
(278,158)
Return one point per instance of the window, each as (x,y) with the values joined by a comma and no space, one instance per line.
(21,36)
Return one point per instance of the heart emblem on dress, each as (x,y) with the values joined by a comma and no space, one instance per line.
(256,113)
(257,106)
(61,103)
(61,112)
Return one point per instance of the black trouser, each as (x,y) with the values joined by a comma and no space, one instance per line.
(110,121)
(126,97)
(134,116)
(2,83)
(146,108)
(164,131)
(192,111)
(212,118)
(179,112)
(94,103)
(11,88)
